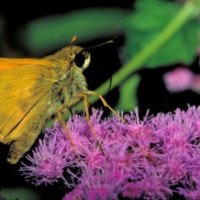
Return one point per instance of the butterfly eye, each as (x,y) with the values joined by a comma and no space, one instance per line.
(82,59)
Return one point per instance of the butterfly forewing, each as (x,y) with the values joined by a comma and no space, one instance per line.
(8,63)
(25,90)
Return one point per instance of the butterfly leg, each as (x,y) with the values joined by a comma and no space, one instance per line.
(65,127)
(104,102)
(87,116)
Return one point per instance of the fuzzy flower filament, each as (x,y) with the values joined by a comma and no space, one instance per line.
(154,158)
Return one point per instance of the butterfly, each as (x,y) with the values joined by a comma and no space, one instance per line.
(31,90)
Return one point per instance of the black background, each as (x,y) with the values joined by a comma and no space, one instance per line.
(105,61)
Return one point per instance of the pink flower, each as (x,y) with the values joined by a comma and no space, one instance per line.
(149,158)
(50,159)
(196,83)
(179,79)
(76,194)
(131,191)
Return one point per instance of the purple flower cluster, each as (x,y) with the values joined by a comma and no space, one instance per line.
(153,158)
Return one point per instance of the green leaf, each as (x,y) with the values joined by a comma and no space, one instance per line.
(56,30)
(128,94)
(190,10)
(151,18)
(20,193)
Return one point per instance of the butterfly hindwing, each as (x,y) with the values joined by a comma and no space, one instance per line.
(28,129)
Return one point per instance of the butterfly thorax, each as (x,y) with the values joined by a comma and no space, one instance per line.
(72,86)
(70,82)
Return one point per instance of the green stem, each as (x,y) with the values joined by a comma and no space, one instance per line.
(185,14)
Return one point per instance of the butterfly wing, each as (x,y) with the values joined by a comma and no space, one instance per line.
(25,94)
(6,63)
(28,129)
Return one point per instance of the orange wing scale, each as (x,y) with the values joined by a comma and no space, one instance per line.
(23,85)
(7,63)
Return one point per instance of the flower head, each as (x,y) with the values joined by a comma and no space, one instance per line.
(112,158)
(179,79)
(49,159)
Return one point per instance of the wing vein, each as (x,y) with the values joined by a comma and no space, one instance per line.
(15,126)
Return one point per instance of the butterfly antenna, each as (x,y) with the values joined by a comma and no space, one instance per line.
(99,45)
